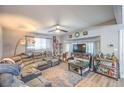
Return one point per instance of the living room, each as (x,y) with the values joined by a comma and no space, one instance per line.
(62,46)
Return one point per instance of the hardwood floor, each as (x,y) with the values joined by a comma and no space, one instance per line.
(97,80)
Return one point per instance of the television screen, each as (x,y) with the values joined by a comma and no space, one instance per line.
(79,48)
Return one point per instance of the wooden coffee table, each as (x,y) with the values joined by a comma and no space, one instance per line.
(77,67)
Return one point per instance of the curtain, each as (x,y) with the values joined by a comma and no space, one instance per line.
(90,47)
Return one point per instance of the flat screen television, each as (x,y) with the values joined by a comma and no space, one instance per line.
(79,48)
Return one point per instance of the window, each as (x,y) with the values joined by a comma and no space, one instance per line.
(67,47)
(42,44)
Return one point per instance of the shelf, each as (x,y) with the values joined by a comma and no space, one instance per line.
(102,66)
(104,60)
(105,66)
(106,75)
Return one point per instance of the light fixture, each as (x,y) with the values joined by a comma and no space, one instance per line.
(57,26)
(57,30)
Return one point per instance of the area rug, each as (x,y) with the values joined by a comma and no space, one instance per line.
(61,77)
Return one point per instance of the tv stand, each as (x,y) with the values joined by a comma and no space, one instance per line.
(82,55)
(77,54)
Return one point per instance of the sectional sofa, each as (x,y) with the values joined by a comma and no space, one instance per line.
(32,66)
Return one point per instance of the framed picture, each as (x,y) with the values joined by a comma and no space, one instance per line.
(85,33)
(70,36)
(77,34)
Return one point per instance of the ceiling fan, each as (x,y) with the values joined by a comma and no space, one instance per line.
(58,29)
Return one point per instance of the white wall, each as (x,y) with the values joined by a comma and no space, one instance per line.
(122,14)
(118,13)
(10,39)
(108,34)
(1,43)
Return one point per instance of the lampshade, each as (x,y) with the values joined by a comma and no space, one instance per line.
(22,41)
(57,30)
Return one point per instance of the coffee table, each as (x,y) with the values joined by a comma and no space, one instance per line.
(78,66)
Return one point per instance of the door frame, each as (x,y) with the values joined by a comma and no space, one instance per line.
(121,53)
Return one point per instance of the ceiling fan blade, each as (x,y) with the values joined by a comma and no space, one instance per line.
(63,30)
(51,31)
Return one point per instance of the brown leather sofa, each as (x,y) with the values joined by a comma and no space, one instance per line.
(30,65)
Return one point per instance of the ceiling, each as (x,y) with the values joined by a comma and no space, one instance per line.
(42,18)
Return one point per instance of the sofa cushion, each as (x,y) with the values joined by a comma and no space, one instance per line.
(35,83)
(54,60)
(34,65)
(46,59)
(31,76)
(17,59)
(38,59)
(37,55)
(24,56)
(39,82)
(27,71)
(27,59)
(27,62)
(42,63)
